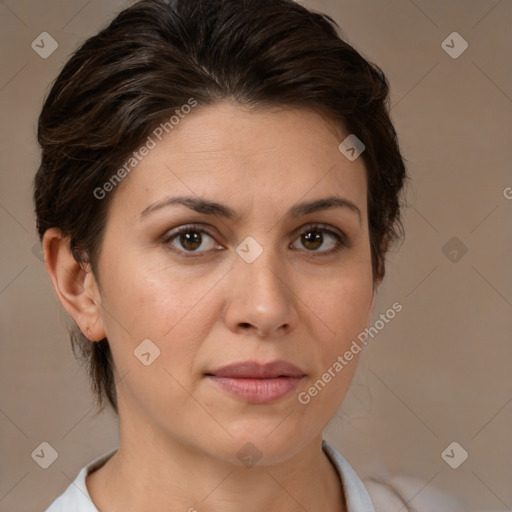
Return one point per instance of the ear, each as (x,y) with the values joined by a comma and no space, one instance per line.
(375,289)
(377,282)
(383,249)
(372,304)
(74,284)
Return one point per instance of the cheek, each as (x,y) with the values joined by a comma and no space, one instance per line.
(340,313)
(342,300)
(173,310)
(155,294)
(160,301)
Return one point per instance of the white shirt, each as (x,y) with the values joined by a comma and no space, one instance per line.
(76,497)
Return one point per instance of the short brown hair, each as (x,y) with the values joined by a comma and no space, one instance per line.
(156,55)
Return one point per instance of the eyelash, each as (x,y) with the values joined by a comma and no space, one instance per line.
(341,241)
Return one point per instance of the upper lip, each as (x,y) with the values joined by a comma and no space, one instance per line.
(255,370)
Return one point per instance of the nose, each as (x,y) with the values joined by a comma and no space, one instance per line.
(260,297)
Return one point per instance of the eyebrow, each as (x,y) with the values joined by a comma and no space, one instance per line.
(213,208)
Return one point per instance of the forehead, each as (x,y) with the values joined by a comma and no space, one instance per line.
(231,154)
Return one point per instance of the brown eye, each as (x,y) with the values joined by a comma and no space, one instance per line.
(312,240)
(190,239)
(321,240)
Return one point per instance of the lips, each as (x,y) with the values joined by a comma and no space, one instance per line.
(257,383)
(254,370)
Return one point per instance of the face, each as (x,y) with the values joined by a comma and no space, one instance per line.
(257,277)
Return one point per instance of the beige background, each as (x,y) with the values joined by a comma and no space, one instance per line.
(439,372)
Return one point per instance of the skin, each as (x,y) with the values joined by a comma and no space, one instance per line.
(179,434)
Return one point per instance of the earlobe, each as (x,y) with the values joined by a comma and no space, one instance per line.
(75,286)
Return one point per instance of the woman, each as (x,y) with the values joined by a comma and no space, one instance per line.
(219,185)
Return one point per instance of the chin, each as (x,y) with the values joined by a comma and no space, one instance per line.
(266,442)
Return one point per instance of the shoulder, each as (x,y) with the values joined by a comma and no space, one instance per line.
(409,494)
(76,496)
(391,494)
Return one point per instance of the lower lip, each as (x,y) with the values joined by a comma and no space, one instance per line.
(257,391)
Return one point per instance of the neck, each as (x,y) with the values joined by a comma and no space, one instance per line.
(155,472)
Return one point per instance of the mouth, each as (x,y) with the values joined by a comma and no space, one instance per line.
(257,383)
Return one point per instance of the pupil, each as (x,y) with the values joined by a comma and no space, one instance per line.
(193,238)
(312,237)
